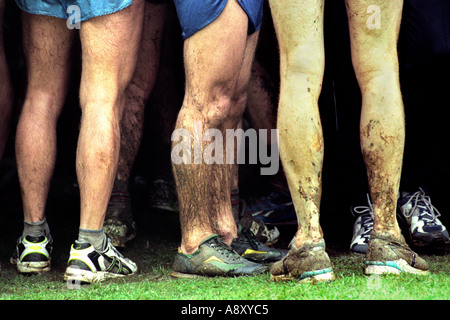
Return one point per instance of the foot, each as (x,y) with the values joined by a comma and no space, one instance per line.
(386,254)
(276,209)
(307,264)
(214,258)
(421,219)
(32,254)
(249,248)
(266,234)
(89,265)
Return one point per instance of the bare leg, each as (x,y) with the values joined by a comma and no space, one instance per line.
(48,63)
(382,130)
(109,58)
(119,224)
(374,55)
(140,88)
(299,27)
(215,91)
(6,90)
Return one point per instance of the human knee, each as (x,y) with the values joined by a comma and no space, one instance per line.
(301,64)
(44,105)
(216,106)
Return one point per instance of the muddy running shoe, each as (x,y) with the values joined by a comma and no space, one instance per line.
(119,225)
(388,255)
(32,254)
(362,228)
(214,258)
(87,265)
(307,264)
(420,218)
(249,248)
(266,234)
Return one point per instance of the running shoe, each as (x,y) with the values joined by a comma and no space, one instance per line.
(87,265)
(32,254)
(277,209)
(119,225)
(307,264)
(266,234)
(251,249)
(214,258)
(386,254)
(362,228)
(420,218)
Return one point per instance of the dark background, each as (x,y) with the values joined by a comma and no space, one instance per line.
(339,106)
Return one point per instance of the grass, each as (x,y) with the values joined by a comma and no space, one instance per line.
(153,282)
(155,247)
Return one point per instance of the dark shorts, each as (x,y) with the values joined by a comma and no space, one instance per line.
(197,14)
(61,8)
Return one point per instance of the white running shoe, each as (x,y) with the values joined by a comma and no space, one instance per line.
(89,265)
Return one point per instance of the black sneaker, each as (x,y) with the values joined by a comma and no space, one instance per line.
(266,234)
(214,258)
(248,247)
(420,217)
(32,254)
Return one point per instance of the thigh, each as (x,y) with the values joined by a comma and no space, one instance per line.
(47,46)
(214,55)
(299,28)
(110,45)
(374,27)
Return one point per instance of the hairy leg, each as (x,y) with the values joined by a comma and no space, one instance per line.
(110,46)
(299,28)
(47,43)
(140,88)
(214,58)
(6,90)
(382,126)
(261,111)
(224,219)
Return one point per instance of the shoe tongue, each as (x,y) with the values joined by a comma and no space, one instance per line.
(35,239)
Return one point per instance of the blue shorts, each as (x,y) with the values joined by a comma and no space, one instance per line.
(58,8)
(197,14)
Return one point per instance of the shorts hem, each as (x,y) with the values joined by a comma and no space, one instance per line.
(49,14)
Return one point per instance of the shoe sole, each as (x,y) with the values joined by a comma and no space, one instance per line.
(180,275)
(392,267)
(311,277)
(33,267)
(435,242)
(84,276)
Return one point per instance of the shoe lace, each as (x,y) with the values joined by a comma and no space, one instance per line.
(224,249)
(422,201)
(361,210)
(250,238)
(366,214)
